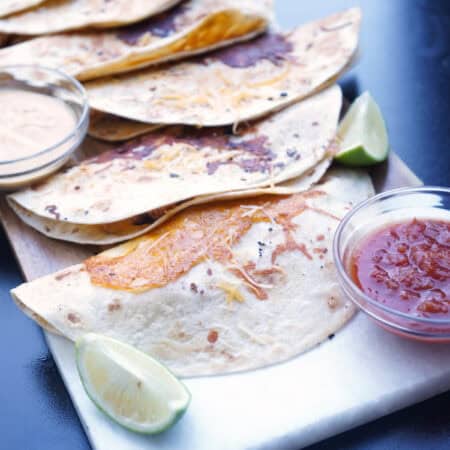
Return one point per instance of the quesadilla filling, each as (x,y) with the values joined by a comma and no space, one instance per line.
(205,233)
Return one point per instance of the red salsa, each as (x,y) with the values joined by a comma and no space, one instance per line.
(406,266)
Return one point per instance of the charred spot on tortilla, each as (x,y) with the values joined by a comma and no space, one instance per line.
(73,318)
(141,148)
(115,305)
(161,25)
(136,150)
(53,210)
(261,161)
(213,335)
(332,302)
(62,275)
(272,47)
(320,251)
(293,153)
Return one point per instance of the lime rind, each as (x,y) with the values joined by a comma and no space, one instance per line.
(163,388)
(362,134)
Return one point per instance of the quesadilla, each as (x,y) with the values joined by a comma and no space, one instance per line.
(188,28)
(238,83)
(115,232)
(179,163)
(63,15)
(8,7)
(219,288)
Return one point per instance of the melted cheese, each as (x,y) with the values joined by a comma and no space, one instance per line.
(271,81)
(193,236)
(232,293)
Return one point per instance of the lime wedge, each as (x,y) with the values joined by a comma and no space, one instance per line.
(362,134)
(129,386)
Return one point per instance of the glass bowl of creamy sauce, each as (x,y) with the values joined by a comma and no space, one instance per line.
(44,118)
(392,254)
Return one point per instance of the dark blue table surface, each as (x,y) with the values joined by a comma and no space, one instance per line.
(405,63)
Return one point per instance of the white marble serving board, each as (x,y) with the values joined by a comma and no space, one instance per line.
(361,374)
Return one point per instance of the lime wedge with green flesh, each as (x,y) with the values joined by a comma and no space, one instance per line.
(129,386)
(362,134)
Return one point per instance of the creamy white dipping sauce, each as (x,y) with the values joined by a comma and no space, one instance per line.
(31,122)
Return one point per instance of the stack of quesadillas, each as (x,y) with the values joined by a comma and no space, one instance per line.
(222,182)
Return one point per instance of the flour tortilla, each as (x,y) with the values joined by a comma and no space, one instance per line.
(238,83)
(188,28)
(179,163)
(209,320)
(113,233)
(113,128)
(8,7)
(63,15)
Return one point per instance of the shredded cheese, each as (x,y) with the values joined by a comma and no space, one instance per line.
(254,208)
(278,78)
(237,99)
(251,281)
(253,336)
(279,269)
(232,293)
(157,241)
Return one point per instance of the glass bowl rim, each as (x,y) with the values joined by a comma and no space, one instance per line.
(82,121)
(338,260)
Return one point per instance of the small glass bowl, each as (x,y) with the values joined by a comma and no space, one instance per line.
(18,172)
(386,208)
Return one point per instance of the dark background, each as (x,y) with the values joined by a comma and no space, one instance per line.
(405,63)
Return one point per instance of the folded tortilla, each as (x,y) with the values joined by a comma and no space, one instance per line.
(179,163)
(113,233)
(238,83)
(8,7)
(188,28)
(63,15)
(218,288)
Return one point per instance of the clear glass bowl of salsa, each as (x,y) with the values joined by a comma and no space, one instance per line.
(45,116)
(392,254)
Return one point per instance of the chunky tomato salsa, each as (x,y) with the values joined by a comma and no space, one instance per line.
(406,266)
